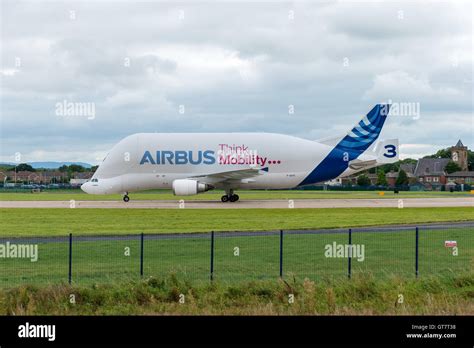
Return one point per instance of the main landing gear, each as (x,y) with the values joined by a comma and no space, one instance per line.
(125,197)
(229,197)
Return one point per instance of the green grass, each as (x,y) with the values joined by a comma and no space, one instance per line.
(106,281)
(362,295)
(20,222)
(386,254)
(66,195)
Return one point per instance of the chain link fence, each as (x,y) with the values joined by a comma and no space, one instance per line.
(406,251)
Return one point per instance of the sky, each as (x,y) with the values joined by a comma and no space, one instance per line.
(76,77)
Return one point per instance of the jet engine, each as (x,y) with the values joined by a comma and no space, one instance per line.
(188,187)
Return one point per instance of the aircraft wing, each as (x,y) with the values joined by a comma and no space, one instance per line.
(242,175)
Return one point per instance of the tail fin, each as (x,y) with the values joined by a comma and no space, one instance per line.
(366,131)
(363,134)
(350,147)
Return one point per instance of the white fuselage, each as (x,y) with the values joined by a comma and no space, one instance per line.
(128,168)
(190,163)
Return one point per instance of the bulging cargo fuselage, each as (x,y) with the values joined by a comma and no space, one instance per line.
(153,160)
(190,163)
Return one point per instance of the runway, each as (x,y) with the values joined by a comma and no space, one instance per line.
(251,204)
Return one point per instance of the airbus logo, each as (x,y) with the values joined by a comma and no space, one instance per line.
(179,157)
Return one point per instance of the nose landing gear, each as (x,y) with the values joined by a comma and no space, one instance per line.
(125,197)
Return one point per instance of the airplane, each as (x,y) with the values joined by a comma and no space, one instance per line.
(192,163)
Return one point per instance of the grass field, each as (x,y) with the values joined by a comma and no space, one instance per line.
(385,254)
(65,195)
(362,295)
(60,222)
(106,280)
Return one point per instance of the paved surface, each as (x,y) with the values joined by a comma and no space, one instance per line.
(252,204)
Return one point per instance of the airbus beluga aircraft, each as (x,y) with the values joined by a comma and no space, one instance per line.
(191,163)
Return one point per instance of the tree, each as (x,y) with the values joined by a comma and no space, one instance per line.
(390,167)
(452,167)
(24,167)
(396,166)
(6,168)
(470,159)
(409,161)
(443,153)
(381,178)
(363,180)
(402,178)
(73,168)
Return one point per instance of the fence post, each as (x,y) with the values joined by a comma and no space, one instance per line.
(142,237)
(70,258)
(212,255)
(281,253)
(349,259)
(416,253)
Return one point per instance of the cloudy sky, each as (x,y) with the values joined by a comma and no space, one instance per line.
(220,66)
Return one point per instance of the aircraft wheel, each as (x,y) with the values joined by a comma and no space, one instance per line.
(224,198)
(126,198)
(234,198)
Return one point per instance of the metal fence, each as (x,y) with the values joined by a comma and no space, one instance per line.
(407,251)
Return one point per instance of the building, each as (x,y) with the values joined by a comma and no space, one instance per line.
(22,176)
(53,176)
(409,168)
(392,176)
(334,182)
(45,177)
(352,179)
(431,172)
(459,155)
(461,177)
(83,175)
(80,178)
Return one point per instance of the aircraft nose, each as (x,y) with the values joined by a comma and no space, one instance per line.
(86,187)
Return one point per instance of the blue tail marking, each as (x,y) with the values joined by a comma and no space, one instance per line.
(350,147)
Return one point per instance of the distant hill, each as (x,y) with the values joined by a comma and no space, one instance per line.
(48,165)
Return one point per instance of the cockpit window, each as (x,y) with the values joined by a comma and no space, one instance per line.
(94,180)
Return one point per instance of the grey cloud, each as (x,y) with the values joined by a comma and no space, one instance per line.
(234,66)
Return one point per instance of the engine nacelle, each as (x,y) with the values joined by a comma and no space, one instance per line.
(188,187)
